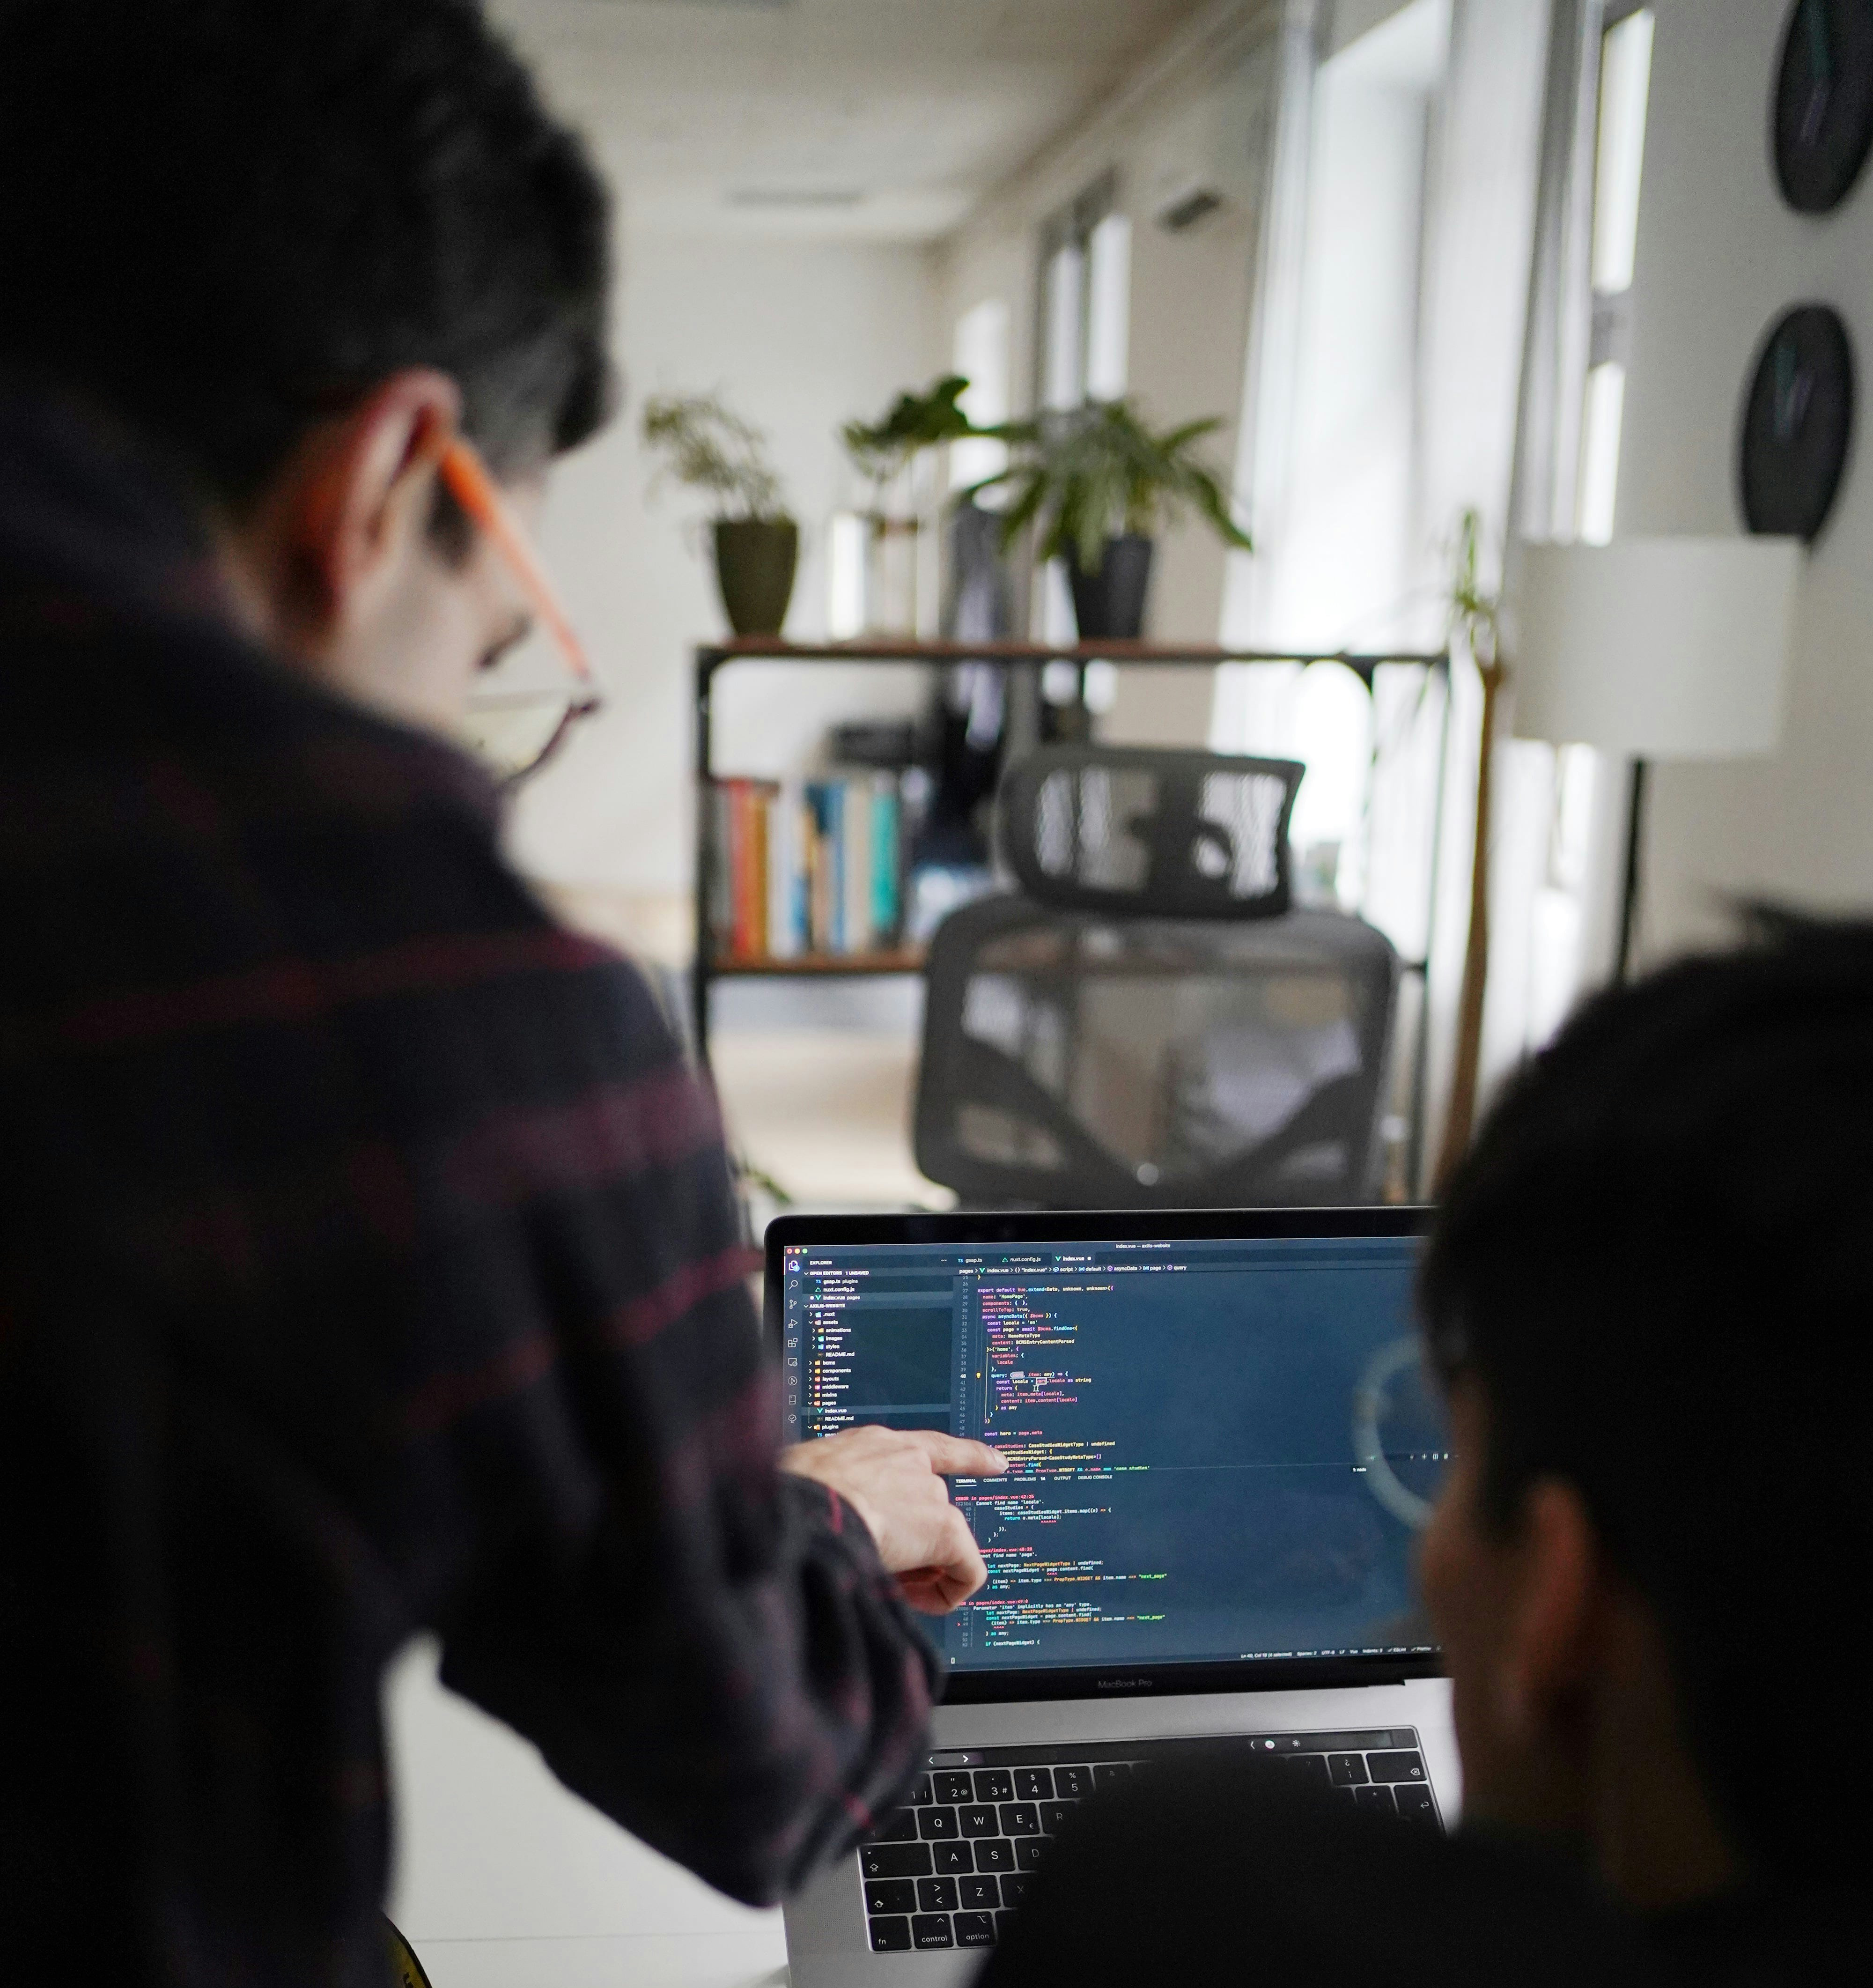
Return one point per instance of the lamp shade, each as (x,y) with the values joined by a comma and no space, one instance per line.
(1655,648)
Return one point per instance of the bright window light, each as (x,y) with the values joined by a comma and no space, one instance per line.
(1108,312)
(1331,719)
(1600,424)
(1066,277)
(980,354)
(845,576)
(1625,80)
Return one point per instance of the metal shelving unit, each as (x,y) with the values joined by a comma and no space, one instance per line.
(712,657)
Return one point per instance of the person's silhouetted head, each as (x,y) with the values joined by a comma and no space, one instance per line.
(227,221)
(299,246)
(1651,1290)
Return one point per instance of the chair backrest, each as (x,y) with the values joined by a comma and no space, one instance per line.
(1072,1060)
(1145,833)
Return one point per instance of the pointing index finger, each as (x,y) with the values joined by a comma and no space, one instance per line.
(955,1456)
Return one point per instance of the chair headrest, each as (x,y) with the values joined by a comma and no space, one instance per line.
(1143,832)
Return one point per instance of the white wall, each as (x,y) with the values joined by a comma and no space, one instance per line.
(1718,257)
(799,335)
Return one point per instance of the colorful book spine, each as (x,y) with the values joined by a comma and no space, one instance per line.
(855,855)
(885,859)
(812,867)
(835,941)
(787,937)
(721,874)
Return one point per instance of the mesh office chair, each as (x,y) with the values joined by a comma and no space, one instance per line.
(1148,1023)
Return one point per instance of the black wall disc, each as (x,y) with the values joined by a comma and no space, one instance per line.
(1797,420)
(1821,116)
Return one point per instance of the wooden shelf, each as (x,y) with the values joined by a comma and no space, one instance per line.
(907,959)
(893,649)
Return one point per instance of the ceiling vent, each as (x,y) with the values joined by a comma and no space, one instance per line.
(1184,206)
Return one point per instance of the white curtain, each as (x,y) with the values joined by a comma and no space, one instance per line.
(1352,548)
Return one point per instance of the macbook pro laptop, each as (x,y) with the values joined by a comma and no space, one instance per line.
(1221,1443)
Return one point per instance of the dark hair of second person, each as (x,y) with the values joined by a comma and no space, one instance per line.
(1655,1266)
(266,209)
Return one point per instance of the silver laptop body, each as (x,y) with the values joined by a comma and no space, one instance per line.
(1221,1444)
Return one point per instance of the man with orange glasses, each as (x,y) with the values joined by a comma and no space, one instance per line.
(370,1262)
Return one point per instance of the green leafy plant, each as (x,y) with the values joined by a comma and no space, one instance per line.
(706,444)
(915,422)
(1091,474)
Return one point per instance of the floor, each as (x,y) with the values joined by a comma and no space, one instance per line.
(823,1116)
(817,1085)
(504,1880)
(816,1078)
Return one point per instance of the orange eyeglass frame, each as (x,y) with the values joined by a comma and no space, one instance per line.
(468,479)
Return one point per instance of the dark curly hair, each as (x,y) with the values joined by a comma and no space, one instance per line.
(1657,1265)
(223,220)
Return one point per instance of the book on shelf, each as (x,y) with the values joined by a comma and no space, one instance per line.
(806,868)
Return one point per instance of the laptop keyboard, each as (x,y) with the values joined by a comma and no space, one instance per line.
(945,1872)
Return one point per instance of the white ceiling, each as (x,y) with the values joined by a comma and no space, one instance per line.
(886,118)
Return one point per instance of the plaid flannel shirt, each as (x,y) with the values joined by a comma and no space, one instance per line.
(368,1264)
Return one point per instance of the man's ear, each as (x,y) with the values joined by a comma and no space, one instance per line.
(355,492)
(1548,1653)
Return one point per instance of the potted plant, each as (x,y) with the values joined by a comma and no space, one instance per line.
(1100,483)
(886,453)
(706,445)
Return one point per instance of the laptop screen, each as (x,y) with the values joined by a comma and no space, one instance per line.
(1220,1449)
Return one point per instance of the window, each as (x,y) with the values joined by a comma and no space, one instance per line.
(1085,300)
(1619,149)
(1084,353)
(1579,794)
(980,354)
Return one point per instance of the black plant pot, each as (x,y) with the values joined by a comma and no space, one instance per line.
(1109,605)
(755,559)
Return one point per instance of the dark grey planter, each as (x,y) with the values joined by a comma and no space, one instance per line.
(754,560)
(1109,605)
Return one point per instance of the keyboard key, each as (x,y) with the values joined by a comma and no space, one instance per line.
(952,1858)
(1055,1816)
(934,1824)
(1075,1783)
(891,1935)
(1397,1767)
(1033,1784)
(1001,1924)
(1415,1804)
(953,1788)
(975,1929)
(1028,1851)
(994,1853)
(980,1822)
(994,1784)
(899,1827)
(929,1929)
(895,1860)
(921,1794)
(980,1894)
(1020,1819)
(1347,1769)
(1377,1800)
(1109,1774)
(1349,1796)
(1015,1890)
(1310,1768)
(936,1894)
(891,1895)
